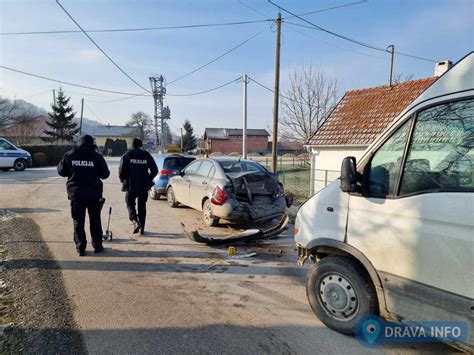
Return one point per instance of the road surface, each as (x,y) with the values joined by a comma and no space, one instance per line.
(163,293)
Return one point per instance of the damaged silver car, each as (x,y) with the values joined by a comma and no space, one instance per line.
(238,191)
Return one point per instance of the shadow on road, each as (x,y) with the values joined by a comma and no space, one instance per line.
(33,210)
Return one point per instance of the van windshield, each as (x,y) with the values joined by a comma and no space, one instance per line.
(4,145)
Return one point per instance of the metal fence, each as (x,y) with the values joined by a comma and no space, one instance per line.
(283,162)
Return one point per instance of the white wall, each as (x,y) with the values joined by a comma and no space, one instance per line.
(326,163)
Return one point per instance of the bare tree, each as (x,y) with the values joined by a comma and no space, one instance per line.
(401,78)
(142,122)
(14,114)
(25,129)
(306,103)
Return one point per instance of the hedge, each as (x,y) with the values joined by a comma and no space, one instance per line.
(52,153)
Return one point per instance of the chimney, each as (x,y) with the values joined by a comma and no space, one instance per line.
(442,67)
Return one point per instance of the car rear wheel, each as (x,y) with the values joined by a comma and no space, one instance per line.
(20,165)
(154,195)
(171,198)
(208,218)
(340,293)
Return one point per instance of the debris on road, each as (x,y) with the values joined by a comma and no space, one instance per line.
(241,256)
(245,236)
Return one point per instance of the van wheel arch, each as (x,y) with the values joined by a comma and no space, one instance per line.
(323,247)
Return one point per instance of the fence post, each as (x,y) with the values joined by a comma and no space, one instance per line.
(325,178)
(293,162)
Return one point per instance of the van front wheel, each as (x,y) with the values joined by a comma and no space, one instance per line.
(340,293)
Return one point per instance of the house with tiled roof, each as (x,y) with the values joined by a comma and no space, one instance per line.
(357,120)
(102,133)
(229,140)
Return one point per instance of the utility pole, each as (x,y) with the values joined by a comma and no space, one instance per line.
(158,91)
(181,139)
(392,52)
(54,97)
(80,122)
(244,116)
(277,94)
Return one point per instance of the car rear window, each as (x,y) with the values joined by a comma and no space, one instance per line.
(176,162)
(240,166)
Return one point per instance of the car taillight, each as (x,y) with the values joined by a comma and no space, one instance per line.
(219,196)
(165,172)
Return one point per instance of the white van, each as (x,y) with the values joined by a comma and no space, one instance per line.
(394,236)
(12,157)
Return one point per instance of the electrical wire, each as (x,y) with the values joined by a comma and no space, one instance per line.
(282,96)
(217,58)
(38,94)
(327,9)
(139,29)
(68,83)
(332,44)
(367,45)
(92,111)
(140,96)
(206,91)
(99,48)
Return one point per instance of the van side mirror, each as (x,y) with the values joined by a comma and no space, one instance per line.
(349,175)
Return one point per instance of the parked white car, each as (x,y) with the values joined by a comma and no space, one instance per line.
(12,157)
(394,236)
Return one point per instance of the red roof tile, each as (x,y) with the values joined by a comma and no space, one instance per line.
(362,115)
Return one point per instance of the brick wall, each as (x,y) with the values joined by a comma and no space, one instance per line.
(234,144)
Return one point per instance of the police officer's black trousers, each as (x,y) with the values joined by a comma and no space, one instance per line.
(139,198)
(78,213)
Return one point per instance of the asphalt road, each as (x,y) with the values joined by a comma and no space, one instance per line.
(162,293)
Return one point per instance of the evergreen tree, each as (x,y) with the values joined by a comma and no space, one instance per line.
(189,139)
(61,124)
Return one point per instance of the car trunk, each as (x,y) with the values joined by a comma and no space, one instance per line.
(259,195)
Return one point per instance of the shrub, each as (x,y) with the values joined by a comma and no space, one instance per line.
(234,154)
(39,159)
(53,153)
(172,149)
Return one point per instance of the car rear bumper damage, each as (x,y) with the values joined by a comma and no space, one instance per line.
(245,236)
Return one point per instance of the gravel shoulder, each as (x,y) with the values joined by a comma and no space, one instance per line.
(34,298)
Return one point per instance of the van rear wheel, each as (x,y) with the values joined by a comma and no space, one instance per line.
(340,293)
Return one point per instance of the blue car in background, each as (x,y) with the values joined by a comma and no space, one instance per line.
(168,164)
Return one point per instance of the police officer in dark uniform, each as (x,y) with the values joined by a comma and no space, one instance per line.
(85,168)
(136,172)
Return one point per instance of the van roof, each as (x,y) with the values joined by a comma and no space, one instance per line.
(458,79)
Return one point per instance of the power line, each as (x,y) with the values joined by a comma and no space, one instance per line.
(92,111)
(217,58)
(67,83)
(314,26)
(38,94)
(138,29)
(330,44)
(327,9)
(283,96)
(140,96)
(99,48)
(206,91)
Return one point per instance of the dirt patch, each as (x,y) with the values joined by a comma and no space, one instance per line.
(38,307)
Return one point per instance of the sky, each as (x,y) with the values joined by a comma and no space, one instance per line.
(432,29)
